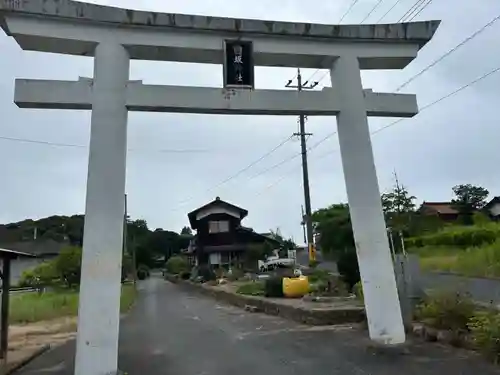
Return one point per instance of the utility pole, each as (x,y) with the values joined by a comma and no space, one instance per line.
(303,223)
(305,172)
(125,242)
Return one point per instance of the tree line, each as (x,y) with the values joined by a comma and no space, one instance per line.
(333,227)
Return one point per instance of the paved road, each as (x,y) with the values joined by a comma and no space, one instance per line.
(170,332)
(481,289)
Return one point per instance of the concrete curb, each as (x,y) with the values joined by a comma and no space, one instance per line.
(315,317)
(17,366)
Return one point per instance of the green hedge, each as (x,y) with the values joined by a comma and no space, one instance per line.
(462,237)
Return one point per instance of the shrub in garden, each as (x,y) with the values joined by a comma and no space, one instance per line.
(43,275)
(142,272)
(274,287)
(318,275)
(446,310)
(185,275)
(485,332)
(235,274)
(358,290)
(206,273)
(347,265)
(177,264)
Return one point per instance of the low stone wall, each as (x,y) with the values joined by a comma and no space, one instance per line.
(323,316)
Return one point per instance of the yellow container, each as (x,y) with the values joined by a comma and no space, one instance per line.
(295,287)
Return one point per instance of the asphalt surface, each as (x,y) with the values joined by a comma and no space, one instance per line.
(172,332)
(480,289)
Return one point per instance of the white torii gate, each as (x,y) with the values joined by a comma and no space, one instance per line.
(113,36)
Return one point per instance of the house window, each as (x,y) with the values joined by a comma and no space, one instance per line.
(218,226)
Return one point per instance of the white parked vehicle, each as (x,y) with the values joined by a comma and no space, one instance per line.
(274,262)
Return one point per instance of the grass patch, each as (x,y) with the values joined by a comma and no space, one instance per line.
(252,288)
(483,261)
(443,263)
(34,307)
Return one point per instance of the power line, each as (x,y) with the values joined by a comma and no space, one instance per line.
(70,145)
(348,10)
(389,11)
(372,10)
(449,52)
(420,10)
(238,173)
(427,106)
(461,88)
(47,143)
(415,5)
(295,156)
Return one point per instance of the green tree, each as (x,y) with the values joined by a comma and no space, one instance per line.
(468,199)
(68,265)
(333,225)
(470,195)
(285,244)
(186,231)
(398,206)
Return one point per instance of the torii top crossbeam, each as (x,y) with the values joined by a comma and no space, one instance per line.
(199,39)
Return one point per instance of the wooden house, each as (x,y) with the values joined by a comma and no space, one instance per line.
(220,238)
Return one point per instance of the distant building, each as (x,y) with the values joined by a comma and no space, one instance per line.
(220,238)
(443,210)
(493,208)
(43,249)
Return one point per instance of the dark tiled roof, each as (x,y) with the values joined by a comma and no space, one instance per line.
(216,202)
(445,208)
(7,253)
(495,200)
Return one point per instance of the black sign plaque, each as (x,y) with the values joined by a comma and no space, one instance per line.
(238,64)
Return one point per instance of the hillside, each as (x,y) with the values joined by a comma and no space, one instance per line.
(148,244)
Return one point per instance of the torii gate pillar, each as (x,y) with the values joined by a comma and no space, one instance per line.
(98,317)
(365,207)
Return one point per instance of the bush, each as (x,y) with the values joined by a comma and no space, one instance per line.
(235,274)
(458,236)
(177,264)
(358,290)
(274,287)
(206,273)
(319,275)
(348,268)
(446,310)
(313,263)
(43,275)
(68,265)
(142,274)
(185,275)
(485,332)
(253,288)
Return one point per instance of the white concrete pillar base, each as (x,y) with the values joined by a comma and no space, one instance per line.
(99,315)
(377,272)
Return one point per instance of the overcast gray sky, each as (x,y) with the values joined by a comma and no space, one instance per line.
(453,142)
